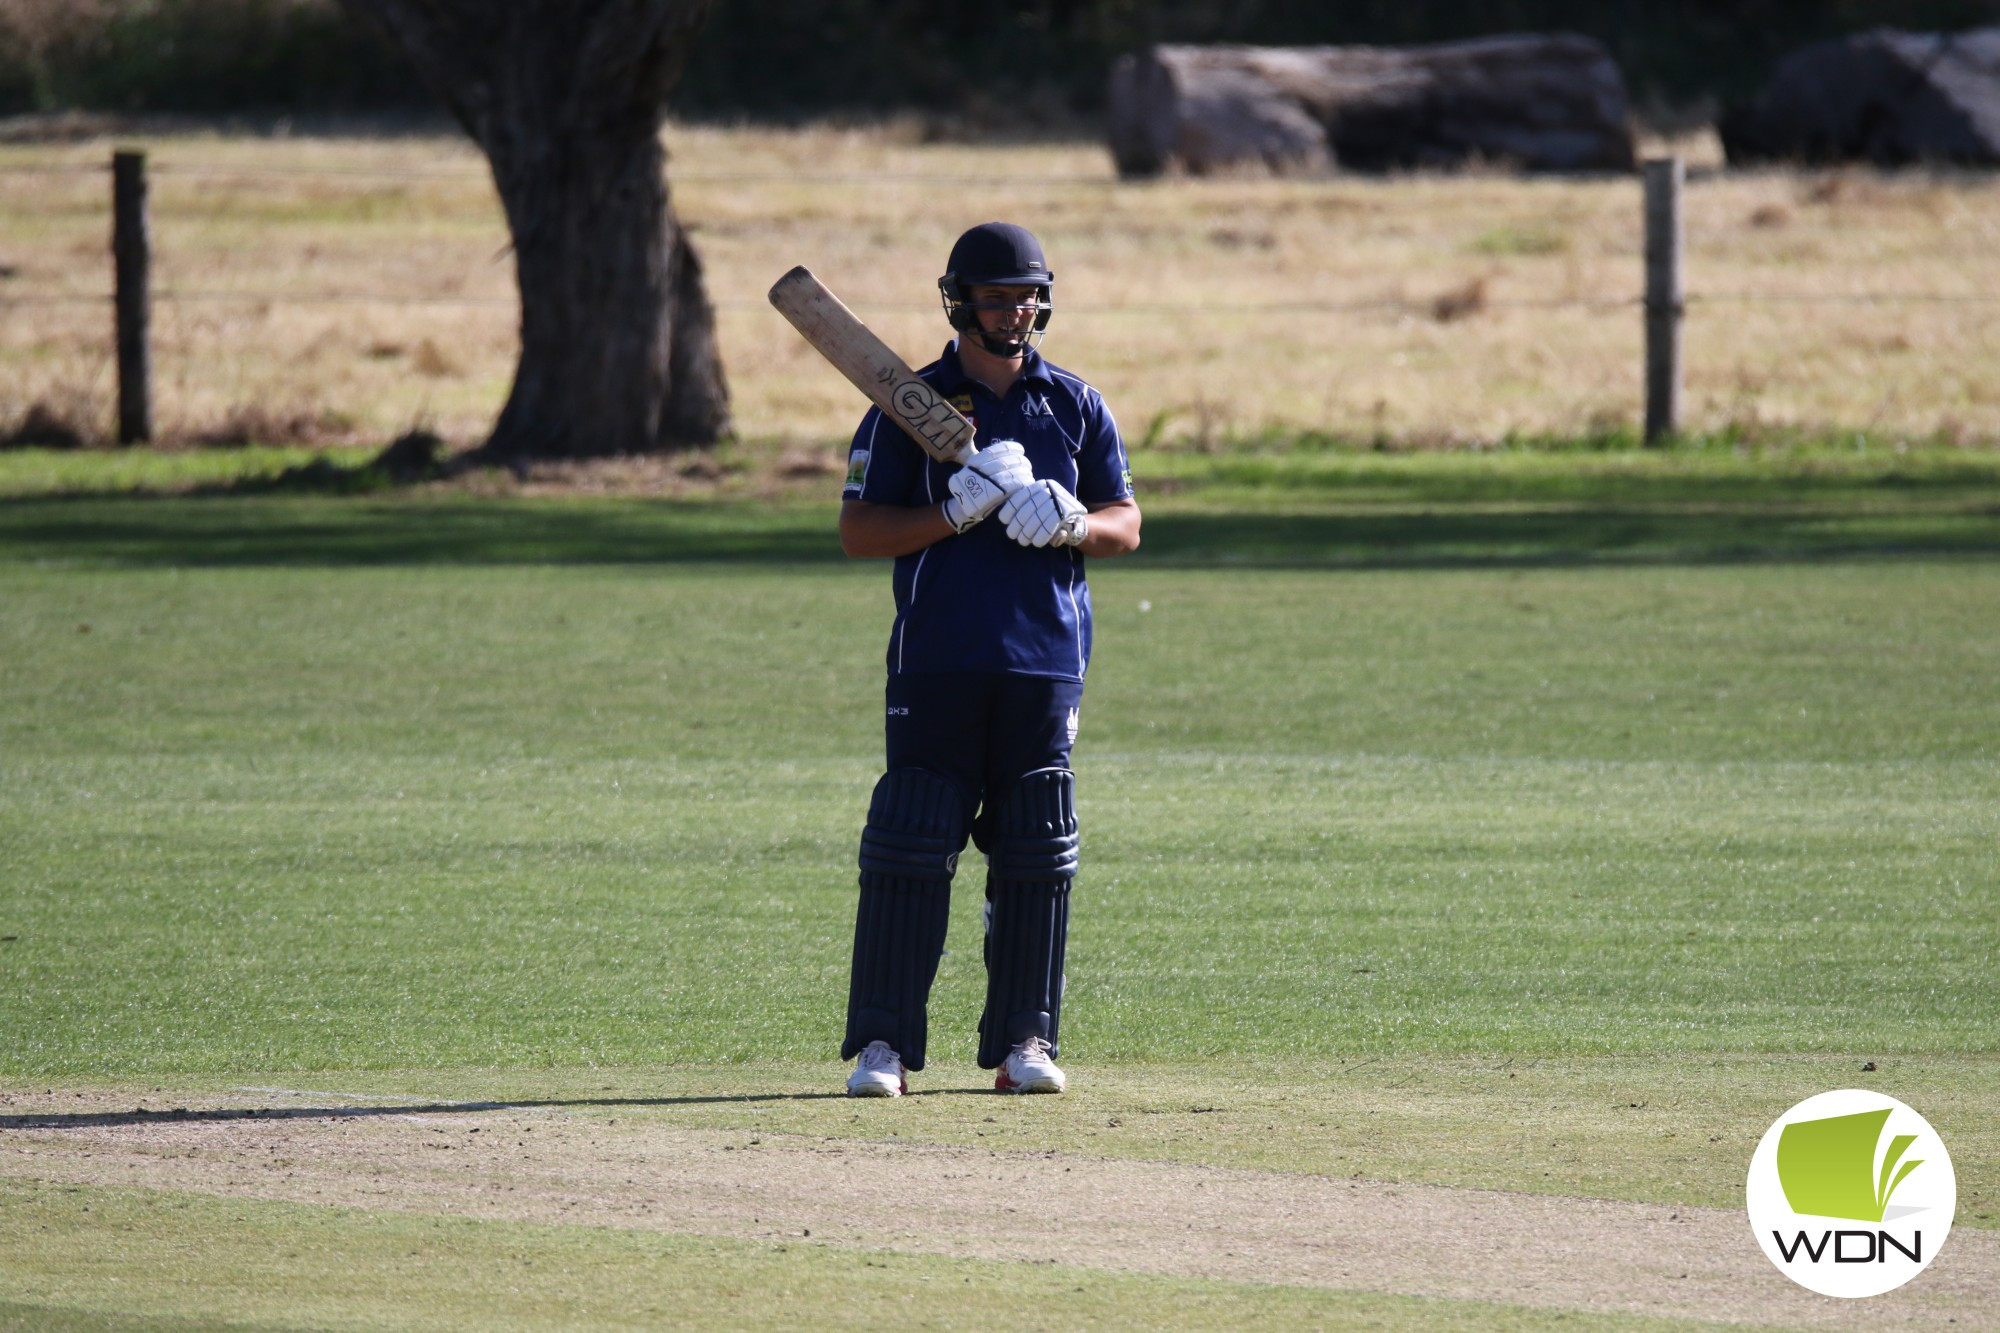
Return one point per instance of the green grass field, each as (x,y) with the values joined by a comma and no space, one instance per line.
(1539,828)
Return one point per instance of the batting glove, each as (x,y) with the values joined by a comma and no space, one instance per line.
(1045,514)
(978,488)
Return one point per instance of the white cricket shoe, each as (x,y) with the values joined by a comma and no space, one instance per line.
(1028,1068)
(878,1073)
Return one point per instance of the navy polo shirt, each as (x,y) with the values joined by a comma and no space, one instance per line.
(979,601)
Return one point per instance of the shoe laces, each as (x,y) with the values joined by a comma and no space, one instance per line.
(1034,1048)
(877,1055)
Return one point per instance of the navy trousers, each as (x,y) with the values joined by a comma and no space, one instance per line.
(981,729)
(982,733)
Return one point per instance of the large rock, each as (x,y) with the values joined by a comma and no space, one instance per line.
(1885,97)
(1543,103)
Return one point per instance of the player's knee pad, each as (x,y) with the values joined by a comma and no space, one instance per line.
(1034,832)
(916,826)
(909,849)
(1033,860)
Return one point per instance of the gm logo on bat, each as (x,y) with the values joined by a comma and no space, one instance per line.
(1851,1193)
(930,415)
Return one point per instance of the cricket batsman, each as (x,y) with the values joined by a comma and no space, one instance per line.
(986,667)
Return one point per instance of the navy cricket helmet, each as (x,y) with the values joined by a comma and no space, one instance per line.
(997,254)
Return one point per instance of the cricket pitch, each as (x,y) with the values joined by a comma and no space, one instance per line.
(618,1163)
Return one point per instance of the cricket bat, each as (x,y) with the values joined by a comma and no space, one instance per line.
(865,359)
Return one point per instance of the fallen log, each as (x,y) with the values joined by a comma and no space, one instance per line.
(1539,103)
(1885,97)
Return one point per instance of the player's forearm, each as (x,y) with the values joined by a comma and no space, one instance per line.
(876,531)
(1114,530)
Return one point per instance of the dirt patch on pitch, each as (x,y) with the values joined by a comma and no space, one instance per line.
(632,1169)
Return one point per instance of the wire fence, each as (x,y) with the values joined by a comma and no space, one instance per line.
(1669,297)
(1363,306)
(185,171)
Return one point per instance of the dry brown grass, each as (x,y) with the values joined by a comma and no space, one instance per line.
(1425,308)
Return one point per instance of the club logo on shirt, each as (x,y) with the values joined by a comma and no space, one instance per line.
(963,402)
(857,467)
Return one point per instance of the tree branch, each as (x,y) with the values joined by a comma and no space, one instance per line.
(436,36)
(638,47)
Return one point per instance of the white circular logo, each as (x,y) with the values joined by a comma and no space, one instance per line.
(1851,1193)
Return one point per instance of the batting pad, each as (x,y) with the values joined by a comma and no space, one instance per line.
(916,828)
(1033,860)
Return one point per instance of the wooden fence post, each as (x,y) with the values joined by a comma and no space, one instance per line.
(131,250)
(1665,296)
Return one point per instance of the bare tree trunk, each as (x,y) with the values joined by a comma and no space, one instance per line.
(618,347)
(618,351)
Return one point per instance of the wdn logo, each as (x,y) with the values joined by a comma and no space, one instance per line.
(1851,1157)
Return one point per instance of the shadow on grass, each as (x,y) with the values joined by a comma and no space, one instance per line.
(1610,534)
(304,531)
(59,1120)
(292,530)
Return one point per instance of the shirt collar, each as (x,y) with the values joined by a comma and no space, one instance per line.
(951,374)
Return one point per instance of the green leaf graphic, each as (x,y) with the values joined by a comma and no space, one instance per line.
(1827,1167)
(1897,1147)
